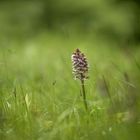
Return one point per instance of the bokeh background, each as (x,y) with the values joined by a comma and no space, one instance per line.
(112,20)
(39,98)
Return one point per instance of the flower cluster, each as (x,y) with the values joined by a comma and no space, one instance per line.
(80,65)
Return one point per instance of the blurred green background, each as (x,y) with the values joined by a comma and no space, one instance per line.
(39,99)
(111,19)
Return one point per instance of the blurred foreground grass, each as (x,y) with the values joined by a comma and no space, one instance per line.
(39,99)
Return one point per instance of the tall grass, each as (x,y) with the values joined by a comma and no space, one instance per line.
(40,100)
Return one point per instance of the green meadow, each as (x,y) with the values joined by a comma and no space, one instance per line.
(41,100)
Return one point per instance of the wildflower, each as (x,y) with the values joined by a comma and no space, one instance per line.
(80,65)
(80,70)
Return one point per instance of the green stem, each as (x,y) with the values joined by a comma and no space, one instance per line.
(84,95)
